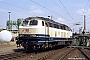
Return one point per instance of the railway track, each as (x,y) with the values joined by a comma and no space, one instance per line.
(57,54)
(74,54)
(64,53)
(26,56)
(11,56)
(86,52)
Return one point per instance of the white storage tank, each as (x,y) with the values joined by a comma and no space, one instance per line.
(5,35)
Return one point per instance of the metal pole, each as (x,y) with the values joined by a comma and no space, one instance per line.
(9,15)
(84,24)
(9,21)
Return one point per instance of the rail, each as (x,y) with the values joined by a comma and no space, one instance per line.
(84,53)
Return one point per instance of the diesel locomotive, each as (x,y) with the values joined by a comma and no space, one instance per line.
(41,33)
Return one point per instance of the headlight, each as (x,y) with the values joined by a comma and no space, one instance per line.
(21,35)
(33,35)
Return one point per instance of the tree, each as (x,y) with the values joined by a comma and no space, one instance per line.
(19,22)
(11,23)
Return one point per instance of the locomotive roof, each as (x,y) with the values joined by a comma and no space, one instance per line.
(45,19)
(41,18)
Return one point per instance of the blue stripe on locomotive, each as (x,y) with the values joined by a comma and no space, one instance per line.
(43,38)
(47,37)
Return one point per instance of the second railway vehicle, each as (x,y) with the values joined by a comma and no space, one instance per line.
(40,33)
(83,40)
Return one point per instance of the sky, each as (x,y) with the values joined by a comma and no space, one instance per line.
(69,12)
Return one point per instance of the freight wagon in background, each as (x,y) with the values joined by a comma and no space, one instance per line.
(42,33)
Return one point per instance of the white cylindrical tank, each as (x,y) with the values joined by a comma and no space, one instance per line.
(5,35)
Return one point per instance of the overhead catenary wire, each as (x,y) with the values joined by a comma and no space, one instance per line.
(87,10)
(28,9)
(86,6)
(57,5)
(88,19)
(16,6)
(66,10)
(13,10)
(21,7)
(49,9)
(46,8)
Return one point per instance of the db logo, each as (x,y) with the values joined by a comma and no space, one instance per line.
(27,30)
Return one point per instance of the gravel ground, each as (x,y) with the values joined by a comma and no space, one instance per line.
(7,47)
(75,55)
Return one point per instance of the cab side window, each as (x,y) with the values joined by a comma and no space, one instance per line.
(46,24)
(42,23)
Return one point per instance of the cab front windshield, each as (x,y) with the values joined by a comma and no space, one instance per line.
(25,23)
(33,22)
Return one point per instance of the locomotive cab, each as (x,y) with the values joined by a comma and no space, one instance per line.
(32,32)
